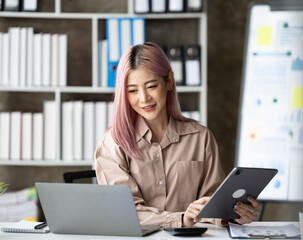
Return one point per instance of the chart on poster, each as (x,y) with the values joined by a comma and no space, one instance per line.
(270,127)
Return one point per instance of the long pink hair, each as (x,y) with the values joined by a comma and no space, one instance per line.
(151,58)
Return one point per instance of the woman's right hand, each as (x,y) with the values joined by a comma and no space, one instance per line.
(190,215)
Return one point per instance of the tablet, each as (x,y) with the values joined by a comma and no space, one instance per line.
(237,186)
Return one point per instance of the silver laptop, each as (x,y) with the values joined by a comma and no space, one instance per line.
(90,209)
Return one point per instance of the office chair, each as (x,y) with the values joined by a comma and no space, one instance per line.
(69,177)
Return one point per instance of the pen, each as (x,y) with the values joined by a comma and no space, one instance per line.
(40,225)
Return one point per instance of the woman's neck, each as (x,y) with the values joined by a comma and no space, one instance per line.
(158,129)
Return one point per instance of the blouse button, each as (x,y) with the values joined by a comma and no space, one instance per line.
(157,155)
(160,182)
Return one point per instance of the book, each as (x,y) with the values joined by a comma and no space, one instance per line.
(25,227)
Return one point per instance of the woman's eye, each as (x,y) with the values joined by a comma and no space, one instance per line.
(132,91)
(153,86)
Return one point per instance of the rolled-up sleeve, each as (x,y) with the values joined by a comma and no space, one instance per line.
(112,168)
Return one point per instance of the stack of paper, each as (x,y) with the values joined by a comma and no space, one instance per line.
(15,206)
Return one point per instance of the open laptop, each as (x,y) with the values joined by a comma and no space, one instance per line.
(90,209)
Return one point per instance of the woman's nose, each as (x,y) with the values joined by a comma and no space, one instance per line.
(144,96)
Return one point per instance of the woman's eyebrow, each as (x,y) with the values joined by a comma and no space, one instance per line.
(147,82)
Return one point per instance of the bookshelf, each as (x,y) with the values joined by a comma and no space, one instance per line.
(84,29)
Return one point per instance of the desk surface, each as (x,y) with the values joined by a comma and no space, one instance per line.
(213,232)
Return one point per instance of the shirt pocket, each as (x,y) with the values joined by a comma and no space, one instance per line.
(189,180)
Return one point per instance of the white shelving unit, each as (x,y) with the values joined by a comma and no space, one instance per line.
(201,91)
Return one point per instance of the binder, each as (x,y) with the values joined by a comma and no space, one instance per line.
(27,136)
(5,125)
(125,34)
(23,55)
(14,35)
(192,65)
(175,56)
(5,59)
(37,59)
(67,131)
(104,64)
(30,58)
(138,30)
(158,6)
(1,53)
(175,6)
(11,5)
(193,6)
(46,59)
(89,130)
(15,135)
(50,129)
(112,33)
(38,143)
(54,60)
(142,6)
(29,5)
(78,130)
(62,55)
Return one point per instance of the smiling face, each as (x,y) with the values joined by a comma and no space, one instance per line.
(147,93)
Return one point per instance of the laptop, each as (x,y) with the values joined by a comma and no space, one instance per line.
(90,209)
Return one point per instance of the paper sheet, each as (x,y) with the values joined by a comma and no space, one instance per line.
(290,230)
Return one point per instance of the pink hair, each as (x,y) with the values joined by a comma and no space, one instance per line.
(151,58)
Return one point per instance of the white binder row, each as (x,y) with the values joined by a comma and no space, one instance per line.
(28,59)
(164,6)
(83,125)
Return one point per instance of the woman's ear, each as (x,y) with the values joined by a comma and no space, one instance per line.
(171,80)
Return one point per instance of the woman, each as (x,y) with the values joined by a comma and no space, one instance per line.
(171,163)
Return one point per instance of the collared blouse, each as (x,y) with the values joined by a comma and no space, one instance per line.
(184,167)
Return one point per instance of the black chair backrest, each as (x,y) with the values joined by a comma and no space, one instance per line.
(69,177)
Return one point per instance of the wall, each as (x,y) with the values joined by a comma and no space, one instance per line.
(226,33)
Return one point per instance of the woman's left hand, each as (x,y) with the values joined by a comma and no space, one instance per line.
(248,213)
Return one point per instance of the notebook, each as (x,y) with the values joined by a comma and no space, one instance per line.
(90,209)
(25,227)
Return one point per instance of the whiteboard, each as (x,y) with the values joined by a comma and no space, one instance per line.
(270,126)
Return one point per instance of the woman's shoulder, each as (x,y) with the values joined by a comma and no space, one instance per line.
(191,127)
(107,144)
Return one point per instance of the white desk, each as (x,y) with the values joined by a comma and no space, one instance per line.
(213,232)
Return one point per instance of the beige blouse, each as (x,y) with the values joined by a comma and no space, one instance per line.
(184,167)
